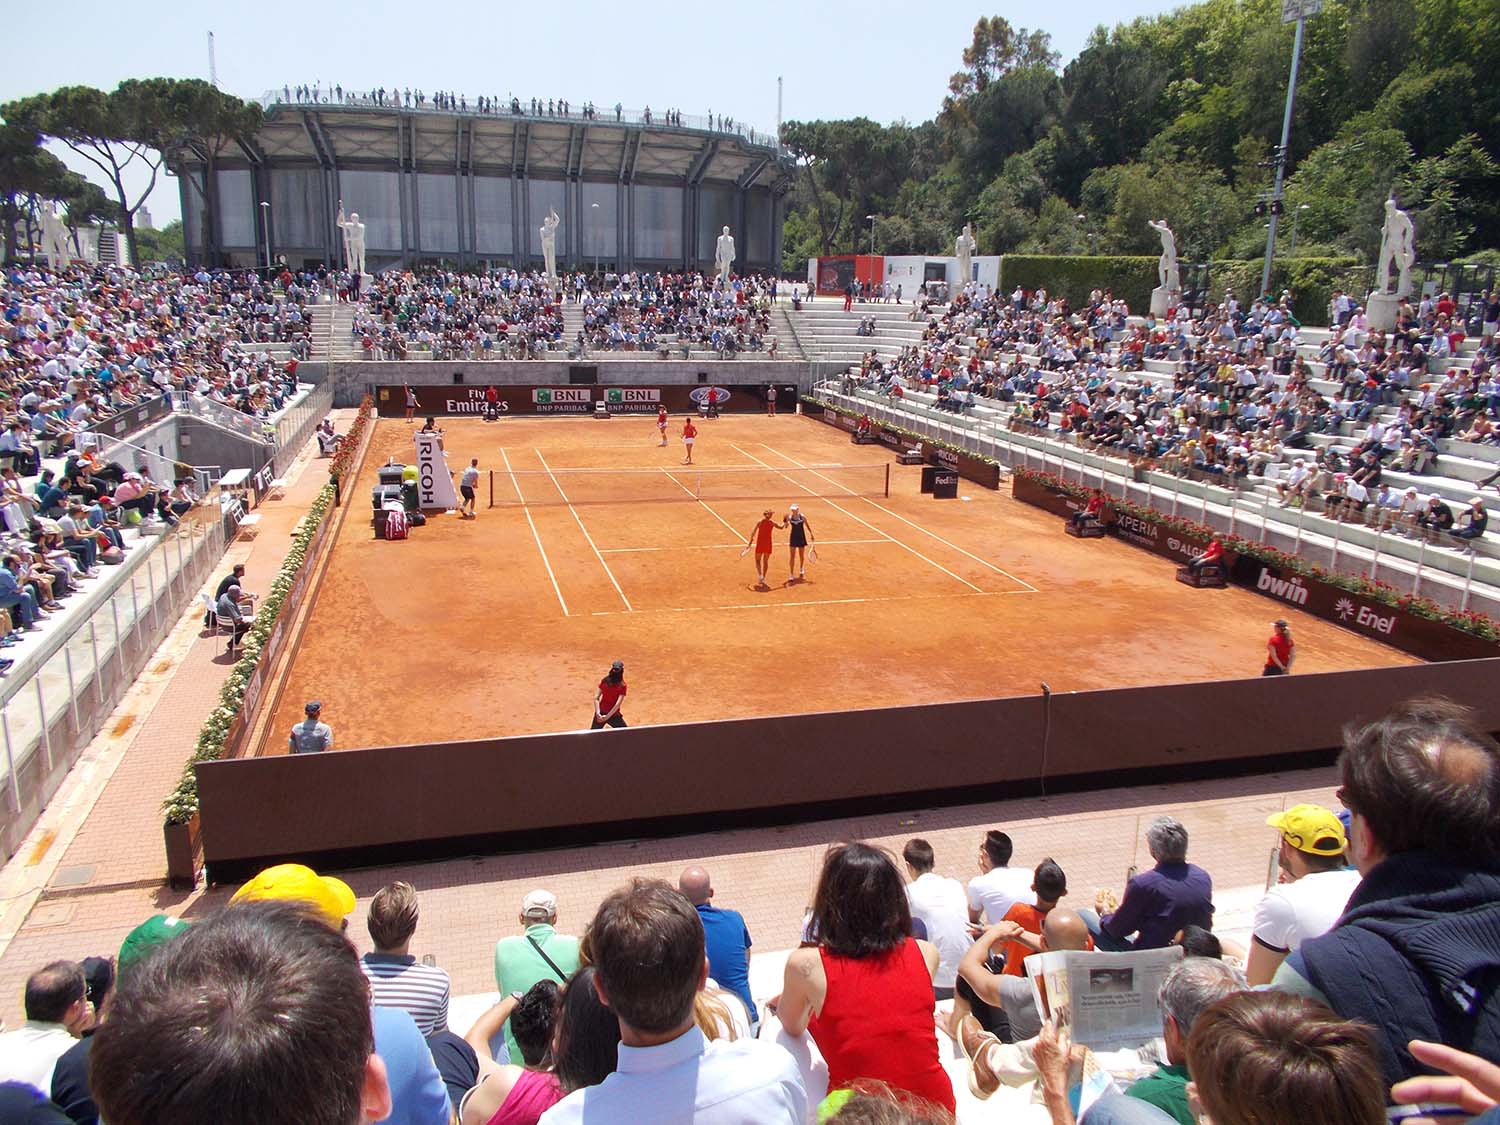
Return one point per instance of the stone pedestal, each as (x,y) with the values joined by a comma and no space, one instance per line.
(1161,300)
(1380,310)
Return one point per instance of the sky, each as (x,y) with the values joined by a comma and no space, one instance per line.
(885,60)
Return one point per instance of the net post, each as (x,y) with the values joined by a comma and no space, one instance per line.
(492,487)
(887,480)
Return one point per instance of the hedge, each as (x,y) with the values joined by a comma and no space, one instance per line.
(182,804)
(1311,280)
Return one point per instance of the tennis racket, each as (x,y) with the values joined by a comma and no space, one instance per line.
(812,552)
(745,552)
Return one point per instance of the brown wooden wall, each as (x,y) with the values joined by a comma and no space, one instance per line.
(372,805)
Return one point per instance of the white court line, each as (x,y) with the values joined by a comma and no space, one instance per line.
(527,509)
(726,546)
(814,469)
(819,601)
(700,500)
(867,523)
(583,529)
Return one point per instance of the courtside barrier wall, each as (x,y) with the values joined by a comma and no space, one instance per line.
(965,464)
(582,400)
(455,798)
(352,380)
(1389,624)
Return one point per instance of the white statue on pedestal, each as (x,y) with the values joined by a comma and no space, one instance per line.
(54,238)
(964,248)
(549,242)
(354,240)
(724,256)
(1166,266)
(1397,250)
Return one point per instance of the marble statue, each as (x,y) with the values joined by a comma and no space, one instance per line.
(1397,251)
(354,240)
(54,238)
(965,248)
(1166,267)
(724,256)
(549,242)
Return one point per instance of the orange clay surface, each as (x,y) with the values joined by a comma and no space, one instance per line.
(461,631)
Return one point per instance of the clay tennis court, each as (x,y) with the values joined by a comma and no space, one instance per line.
(504,624)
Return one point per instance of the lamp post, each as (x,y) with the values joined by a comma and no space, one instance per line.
(265,223)
(595,208)
(1291,10)
(1292,253)
(871,218)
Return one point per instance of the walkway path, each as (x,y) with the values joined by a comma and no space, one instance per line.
(95,864)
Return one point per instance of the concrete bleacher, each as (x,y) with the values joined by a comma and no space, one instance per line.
(1453,474)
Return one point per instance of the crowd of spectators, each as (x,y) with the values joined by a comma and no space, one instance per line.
(404,97)
(1237,395)
(506,314)
(1377,958)
(82,344)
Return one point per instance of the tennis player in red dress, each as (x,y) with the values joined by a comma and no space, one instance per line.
(661,424)
(760,539)
(689,435)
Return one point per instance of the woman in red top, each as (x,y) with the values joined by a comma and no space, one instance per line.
(760,539)
(689,435)
(609,697)
(1280,650)
(864,989)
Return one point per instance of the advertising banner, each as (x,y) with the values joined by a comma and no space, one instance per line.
(434,481)
(1409,632)
(966,465)
(678,398)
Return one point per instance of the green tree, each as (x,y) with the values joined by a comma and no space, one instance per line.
(27,172)
(165,245)
(996,50)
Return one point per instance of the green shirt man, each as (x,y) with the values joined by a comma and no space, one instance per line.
(540,953)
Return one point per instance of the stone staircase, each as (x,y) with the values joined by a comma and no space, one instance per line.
(332,333)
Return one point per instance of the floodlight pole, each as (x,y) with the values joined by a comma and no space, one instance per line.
(1286,133)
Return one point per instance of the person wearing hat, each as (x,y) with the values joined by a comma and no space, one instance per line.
(538,953)
(800,538)
(760,538)
(609,698)
(1281,650)
(1476,519)
(1314,888)
(311,735)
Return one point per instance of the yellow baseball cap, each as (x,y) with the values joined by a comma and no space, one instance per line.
(1311,829)
(292,882)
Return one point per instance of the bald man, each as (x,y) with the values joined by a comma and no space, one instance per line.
(1061,929)
(725,938)
(1012,1063)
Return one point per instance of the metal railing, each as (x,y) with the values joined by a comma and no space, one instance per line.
(1469,581)
(602,115)
(226,416)
(297,421)
(60,693)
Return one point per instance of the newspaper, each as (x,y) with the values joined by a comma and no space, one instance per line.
(1107,1001)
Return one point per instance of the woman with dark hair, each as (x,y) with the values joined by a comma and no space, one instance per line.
(863,987)
(567,1043)
(609,698)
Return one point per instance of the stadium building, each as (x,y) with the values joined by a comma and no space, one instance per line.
(471,189)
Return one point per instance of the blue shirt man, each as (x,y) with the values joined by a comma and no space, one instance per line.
(725,937)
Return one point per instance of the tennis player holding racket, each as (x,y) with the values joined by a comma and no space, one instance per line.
(801,536)
(760,539)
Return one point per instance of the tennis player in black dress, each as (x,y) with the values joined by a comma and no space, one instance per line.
(800,538)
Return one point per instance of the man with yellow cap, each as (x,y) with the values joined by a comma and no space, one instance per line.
(1315,886)
(418,1095)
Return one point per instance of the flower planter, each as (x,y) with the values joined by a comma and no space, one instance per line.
(184,853)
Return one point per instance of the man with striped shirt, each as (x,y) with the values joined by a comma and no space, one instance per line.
(397,980)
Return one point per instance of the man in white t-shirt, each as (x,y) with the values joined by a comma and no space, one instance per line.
(1314,889)
(940,904)
(997,887)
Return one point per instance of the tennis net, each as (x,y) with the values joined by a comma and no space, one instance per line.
(685,484)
